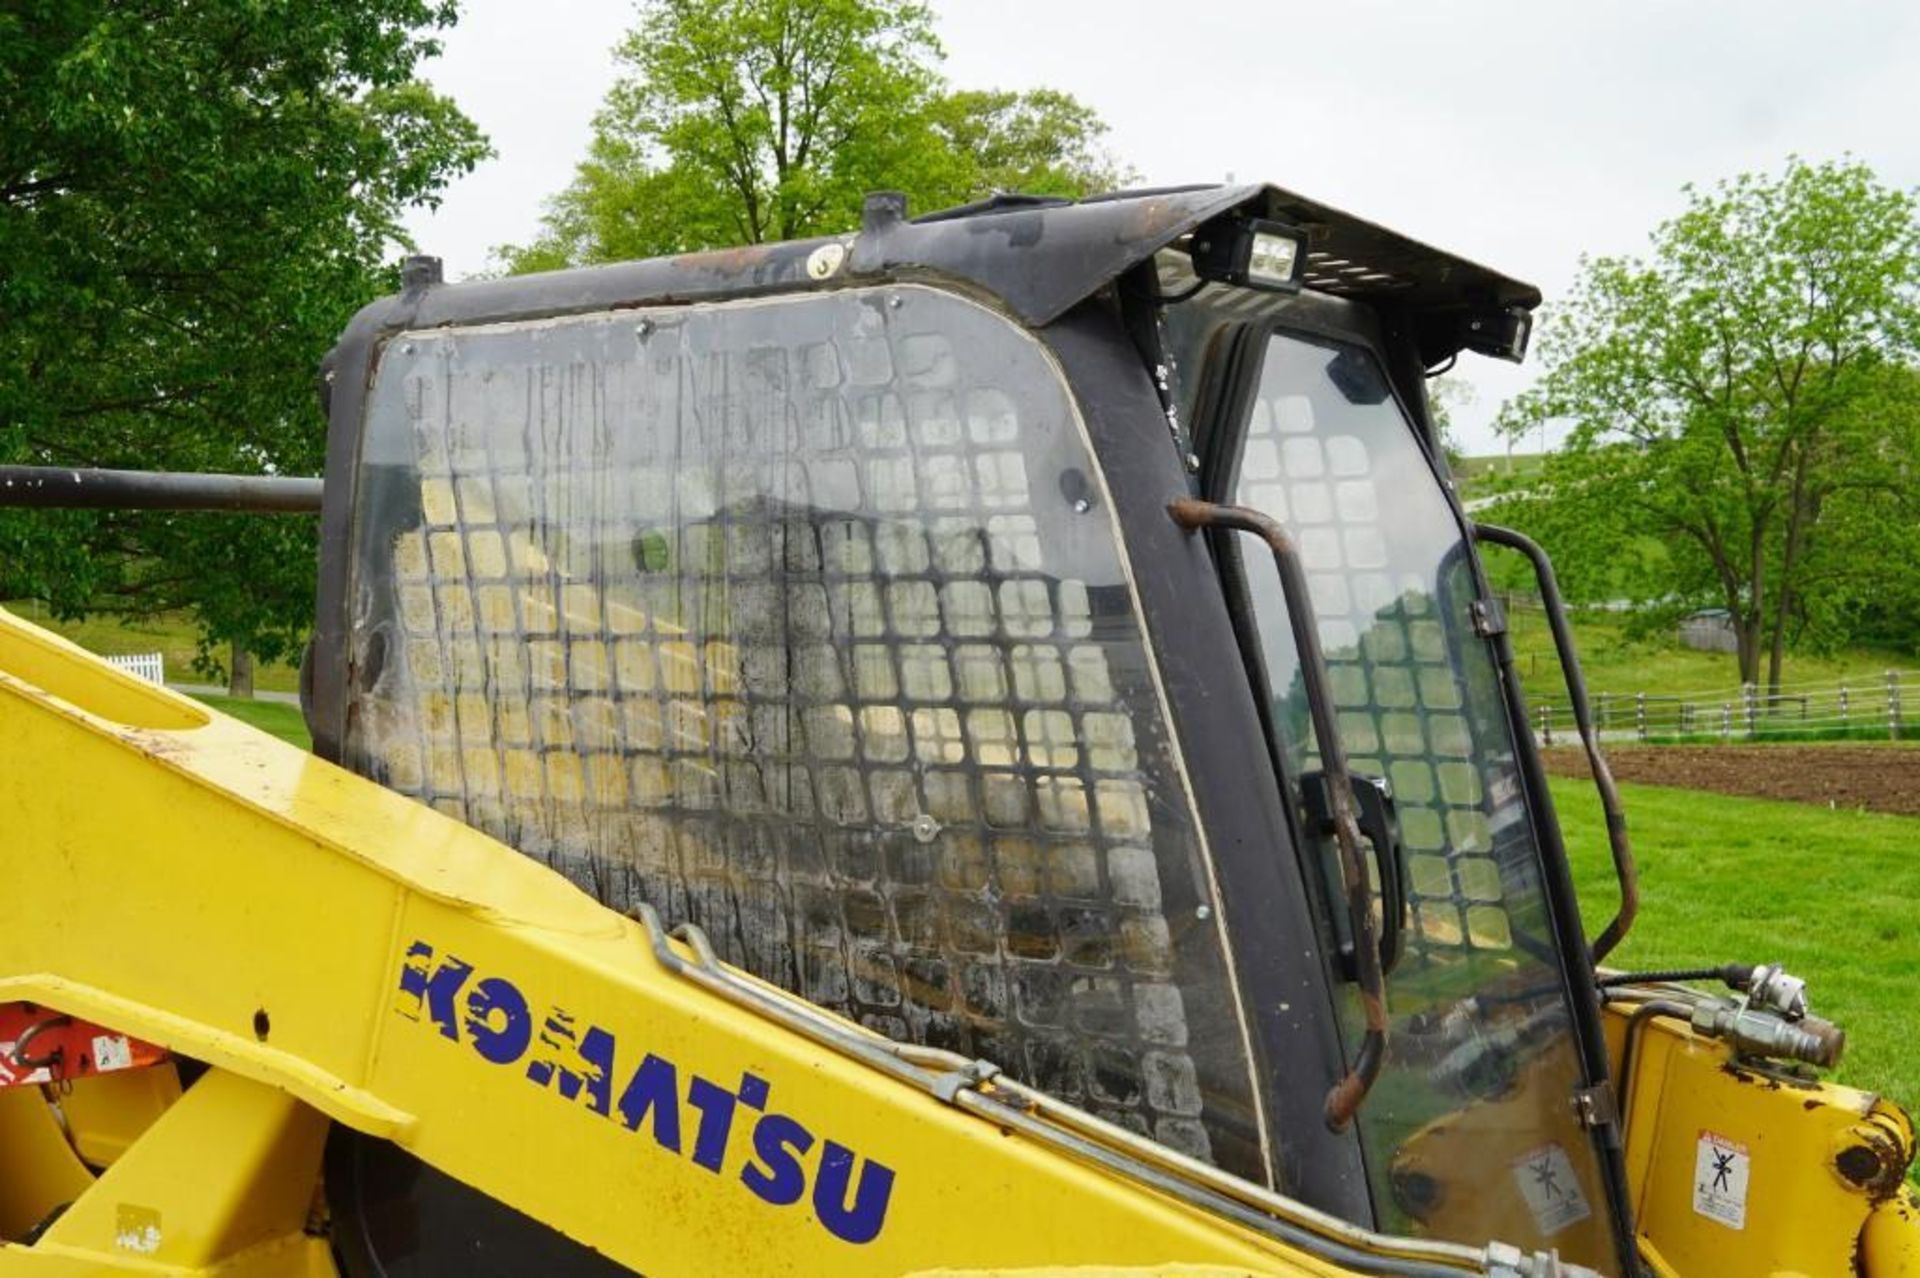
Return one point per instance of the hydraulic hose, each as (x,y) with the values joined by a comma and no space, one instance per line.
(1736,976)
(1628,1061)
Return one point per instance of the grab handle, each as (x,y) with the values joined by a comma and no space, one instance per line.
(1343,1101)
(1380,824)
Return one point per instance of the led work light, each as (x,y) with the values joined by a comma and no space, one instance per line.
(1253,253)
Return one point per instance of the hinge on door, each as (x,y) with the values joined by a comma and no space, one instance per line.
(1489,619)
(1595,1106)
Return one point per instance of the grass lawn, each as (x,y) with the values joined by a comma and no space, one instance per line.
(1830,894)
(277,717)
(173,636)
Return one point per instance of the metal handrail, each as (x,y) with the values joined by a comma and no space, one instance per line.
(71,488)
(979,1087)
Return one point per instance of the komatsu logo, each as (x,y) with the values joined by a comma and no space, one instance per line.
(693,1117)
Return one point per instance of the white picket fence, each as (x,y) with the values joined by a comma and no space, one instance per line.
(145,665)
(1886,705)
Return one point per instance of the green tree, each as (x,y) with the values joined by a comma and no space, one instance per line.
(1741,401)
(743,121)
(195,195)
(1445,395)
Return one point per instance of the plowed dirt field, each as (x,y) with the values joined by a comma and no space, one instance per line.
(1878,779)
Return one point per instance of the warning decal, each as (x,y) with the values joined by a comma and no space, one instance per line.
(112,1051)
(1720,1180)
(1547,1182)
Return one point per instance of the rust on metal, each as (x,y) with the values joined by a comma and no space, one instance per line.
(1872,1157)
(736,260)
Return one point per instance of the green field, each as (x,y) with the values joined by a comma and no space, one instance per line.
(1485,475)
(1830,894)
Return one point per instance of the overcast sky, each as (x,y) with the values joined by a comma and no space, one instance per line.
(1520,133)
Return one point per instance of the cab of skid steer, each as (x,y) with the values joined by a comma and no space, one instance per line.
(827,595)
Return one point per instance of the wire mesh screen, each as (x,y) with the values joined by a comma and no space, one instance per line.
(804,620)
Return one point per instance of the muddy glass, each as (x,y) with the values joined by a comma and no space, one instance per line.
(805,620)
(1469,1132)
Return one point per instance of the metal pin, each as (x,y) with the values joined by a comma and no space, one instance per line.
(1203,913)
(1081,505)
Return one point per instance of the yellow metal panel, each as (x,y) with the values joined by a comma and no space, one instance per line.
(1805,1163)
(232,1165)
(38,1169)
(219,890)
(1890,1247)
(107,1112)
(1151,1271)
(296,1257)
(68,672)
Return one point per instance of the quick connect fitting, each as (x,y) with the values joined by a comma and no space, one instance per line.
(1762,1031)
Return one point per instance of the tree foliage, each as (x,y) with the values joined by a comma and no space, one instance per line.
(195,195)
(1445,395)
(1744,419)
(743,121)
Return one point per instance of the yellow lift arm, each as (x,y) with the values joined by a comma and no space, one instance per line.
(336,953)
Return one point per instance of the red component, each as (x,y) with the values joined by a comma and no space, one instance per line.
(39,1045)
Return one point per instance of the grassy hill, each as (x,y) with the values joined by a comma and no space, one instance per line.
(1476,476)
(1660,666)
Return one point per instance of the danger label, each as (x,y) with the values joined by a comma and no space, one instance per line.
(1551,1190)
(1720,1180)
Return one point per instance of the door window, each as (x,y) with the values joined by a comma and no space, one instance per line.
(1469,1130)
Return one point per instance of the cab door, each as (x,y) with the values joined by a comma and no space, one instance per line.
(1470,1130)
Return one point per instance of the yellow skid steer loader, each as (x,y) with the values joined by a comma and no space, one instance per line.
(979,745)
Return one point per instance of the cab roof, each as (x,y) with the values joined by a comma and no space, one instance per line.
(1038,256)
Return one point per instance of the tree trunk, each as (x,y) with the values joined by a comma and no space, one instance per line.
(1746,636)
(1801,512)
(1777,645)
(1753,620)
(239,671)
